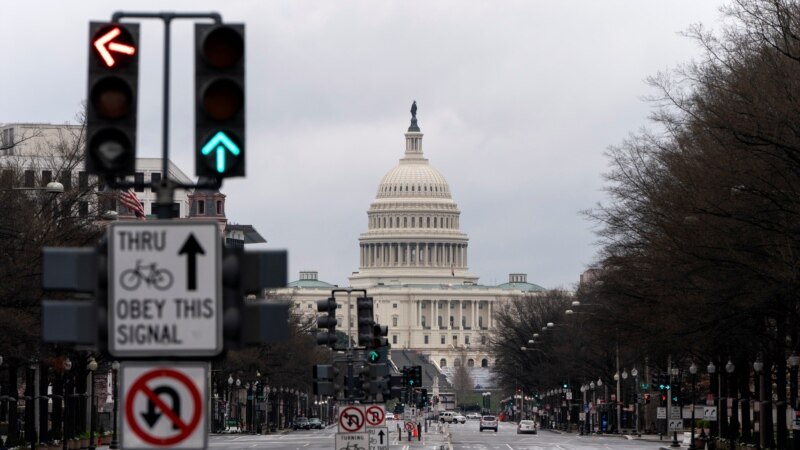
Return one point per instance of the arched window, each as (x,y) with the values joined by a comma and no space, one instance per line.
(484,362)
(442,363)
(470,362)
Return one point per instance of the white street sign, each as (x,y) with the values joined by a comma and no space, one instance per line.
(675,425)
(164,289)
(375,416)
(674,412)
(710,413)
(351,441)
(661,412)
(378,438)
(352,419)
(163,405)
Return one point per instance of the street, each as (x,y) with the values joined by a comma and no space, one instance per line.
(464,436)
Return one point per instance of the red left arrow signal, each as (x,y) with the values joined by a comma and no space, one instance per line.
(105,46)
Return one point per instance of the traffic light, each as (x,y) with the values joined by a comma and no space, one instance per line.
(395,387)
(414,377)
(327,322)
(377,355)
(366,321)
(423,398)
(325,382)
(647,398)
(219,100)
(111,98)
(663,399)
(379,333)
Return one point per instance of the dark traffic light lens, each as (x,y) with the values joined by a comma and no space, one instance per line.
(112,98)
(222,99)
(111,149)
(223,47)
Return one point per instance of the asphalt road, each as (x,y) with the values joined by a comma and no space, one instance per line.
(468,436)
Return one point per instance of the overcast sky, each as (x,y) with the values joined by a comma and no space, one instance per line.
(518,102)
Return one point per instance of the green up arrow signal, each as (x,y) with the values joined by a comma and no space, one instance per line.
(374,356)
(221,144)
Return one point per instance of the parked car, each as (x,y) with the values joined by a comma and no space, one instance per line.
(300,423)
(458,418)
(389,416)
(473,416)
(315,424)
(488,423)
(526,426)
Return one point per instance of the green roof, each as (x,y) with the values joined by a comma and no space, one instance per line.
(310,284)
(521,287)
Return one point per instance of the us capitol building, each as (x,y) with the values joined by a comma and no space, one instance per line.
(414,263)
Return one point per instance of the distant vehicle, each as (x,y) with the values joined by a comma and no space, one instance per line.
(459,418)
(300,423)
(389,416)
(315,424)
(526,426)
(447,416)
(473,416)
(488,423)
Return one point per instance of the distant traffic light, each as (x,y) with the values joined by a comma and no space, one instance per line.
(647,398)
(379,333)
(327,322)
(366,320)
(219,100)
(111,98)
(325,383)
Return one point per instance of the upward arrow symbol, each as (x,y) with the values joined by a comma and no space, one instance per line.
(220,143)
(191,248)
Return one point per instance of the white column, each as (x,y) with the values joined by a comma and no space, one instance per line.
(447,317)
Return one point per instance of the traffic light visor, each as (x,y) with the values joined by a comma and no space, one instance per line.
(223,47)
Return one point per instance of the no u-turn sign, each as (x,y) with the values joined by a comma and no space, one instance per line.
(163,405)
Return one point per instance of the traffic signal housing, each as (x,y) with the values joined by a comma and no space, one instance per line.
(366,321)
(325,380)
(219,100)
(327,322)
(111,98)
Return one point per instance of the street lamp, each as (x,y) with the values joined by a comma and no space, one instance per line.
(712,369)
(635,374)
(67,367)
(794,362)
(758,366)
(729,368)
(693,372)
(92,366)
(114,378)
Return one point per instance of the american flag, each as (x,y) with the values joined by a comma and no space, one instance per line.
(130,201)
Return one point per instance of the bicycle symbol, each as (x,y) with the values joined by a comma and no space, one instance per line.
(352,446)
(160,279)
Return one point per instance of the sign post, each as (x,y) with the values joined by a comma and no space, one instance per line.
(164,405)
(164,289)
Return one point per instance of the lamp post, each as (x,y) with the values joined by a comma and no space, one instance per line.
(693,372)
(92,366)
(675,381)
(230,400)
(67,367)
(635,374)
(114,378)
(711,369)
(592,420)
(758,366)
(622,393)
(729,368)
(794,362)
(605,402)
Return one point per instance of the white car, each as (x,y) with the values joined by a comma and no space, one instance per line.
(526,426)
(488,422)
(389,416)
(474,416)
(459,418)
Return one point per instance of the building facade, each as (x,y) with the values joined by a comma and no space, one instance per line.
(414,264)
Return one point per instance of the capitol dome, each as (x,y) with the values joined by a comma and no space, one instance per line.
(413,233)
